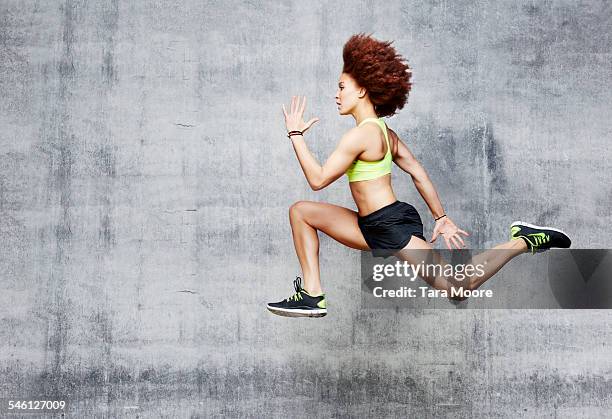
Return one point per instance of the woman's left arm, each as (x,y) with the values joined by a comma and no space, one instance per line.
(444,225)
(318,176)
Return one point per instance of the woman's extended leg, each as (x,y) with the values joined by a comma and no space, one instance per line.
(339,223)
(491,260)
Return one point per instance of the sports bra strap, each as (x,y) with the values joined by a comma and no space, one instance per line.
(385,133)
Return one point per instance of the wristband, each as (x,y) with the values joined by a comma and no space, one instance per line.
(290,133)
(442,216)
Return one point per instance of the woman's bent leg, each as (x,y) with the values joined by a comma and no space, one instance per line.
(339,223)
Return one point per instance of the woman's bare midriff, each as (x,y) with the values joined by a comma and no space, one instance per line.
(371,195)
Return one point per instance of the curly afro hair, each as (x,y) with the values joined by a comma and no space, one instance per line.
(375,66)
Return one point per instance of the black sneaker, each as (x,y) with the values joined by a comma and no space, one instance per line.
(300,304)
(538,238)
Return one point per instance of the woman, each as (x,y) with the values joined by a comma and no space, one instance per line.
(374,83)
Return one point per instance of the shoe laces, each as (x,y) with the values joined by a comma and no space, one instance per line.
(537,240)
(297,284)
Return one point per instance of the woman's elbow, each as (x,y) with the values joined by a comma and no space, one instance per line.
(321,184)
(317,186)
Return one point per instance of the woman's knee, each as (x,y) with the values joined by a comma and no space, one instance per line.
(298,209)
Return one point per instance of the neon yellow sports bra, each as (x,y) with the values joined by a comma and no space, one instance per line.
(367,170)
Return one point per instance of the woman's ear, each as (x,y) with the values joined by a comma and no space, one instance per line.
(362,92)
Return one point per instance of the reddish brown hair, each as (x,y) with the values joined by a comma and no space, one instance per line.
(375,66)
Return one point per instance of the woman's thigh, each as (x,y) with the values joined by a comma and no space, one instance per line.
(417,252)
(337,222)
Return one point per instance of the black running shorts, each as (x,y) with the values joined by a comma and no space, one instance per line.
(390,228)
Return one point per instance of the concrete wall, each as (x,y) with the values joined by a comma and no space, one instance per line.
(145,182)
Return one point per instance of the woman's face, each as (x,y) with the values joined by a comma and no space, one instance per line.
(348,94)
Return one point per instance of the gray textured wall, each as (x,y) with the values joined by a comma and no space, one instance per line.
(144,191)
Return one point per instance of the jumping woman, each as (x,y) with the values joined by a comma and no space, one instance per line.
(374,83)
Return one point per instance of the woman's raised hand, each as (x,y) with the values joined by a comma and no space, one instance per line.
(294,119)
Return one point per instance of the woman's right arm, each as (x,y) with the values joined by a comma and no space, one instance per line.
(444,226)
(409,164)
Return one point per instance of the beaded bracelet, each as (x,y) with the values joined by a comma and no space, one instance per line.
(290,133)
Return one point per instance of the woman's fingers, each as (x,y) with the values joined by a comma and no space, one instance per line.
(301,103)
(298,105)
(296,111)
(447,242)
(309,123)
(463,232)
(458,237)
